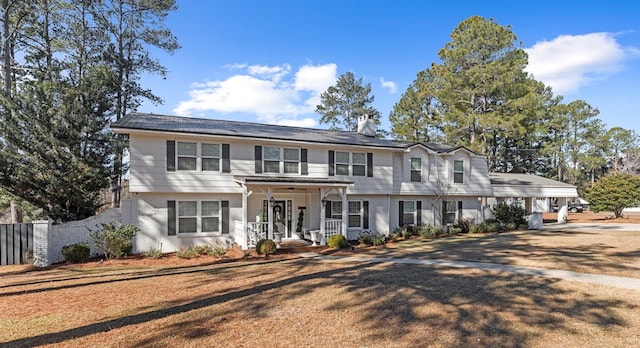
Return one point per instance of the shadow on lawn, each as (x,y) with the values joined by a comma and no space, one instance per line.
(504,248)
(411,305)
(59,283)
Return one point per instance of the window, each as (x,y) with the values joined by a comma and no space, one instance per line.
(210,157)
(187,154)
(271,159)
(458,172)
(336,210)
(416,169)
(359,163)
(207,221)
(354,212)
(450,212)
(187,217)
(348,163)
(210,212)
(342,163)
(290,159)
(408,212)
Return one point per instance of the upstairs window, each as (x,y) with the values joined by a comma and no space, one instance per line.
(187,155)
(291,161)
(342,163)
(416,169)
(211,157)
(271,159)
(458,172)
(351,163)
(359,164)
(281,160)
(192,156)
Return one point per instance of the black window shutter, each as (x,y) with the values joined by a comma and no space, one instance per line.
(400,213)
(225,216)
(459,211)
(171,155)
(365,215)
(226,160)
(327,210)
(370,164)
(304,165)
(258,159)
(171,218)
(332,162)
(265,211)
(419,213)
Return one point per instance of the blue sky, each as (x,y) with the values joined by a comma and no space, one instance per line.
(268,61)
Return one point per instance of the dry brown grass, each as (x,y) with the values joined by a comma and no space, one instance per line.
(289,302)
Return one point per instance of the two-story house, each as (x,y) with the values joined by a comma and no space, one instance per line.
(197,181)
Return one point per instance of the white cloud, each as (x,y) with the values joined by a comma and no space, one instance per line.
(569,62)
(390,85)
(266,91)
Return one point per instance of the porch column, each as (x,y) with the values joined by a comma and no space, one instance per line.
(345,210)
(270,214)
(243,242)
(323,192)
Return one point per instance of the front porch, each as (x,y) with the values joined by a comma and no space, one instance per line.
(289,209)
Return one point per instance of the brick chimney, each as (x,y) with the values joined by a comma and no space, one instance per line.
(367,125)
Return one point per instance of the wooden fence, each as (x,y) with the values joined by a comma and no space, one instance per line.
(15,241)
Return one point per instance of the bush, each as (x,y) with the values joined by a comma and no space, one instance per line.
(371,238)
(378,240)
(114,240)
(337,241)
(76,253)
(201,250)
(452,231)
(266,247)
(509,213)
(465,225)
(186,253)
(478,228)
(153,253)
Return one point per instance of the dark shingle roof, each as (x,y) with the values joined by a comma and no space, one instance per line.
(165,123)
(515,179)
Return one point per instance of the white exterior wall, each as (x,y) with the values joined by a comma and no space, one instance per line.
(390,183)
(151,215)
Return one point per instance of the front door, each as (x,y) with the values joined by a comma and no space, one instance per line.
(279,217)
(281,212)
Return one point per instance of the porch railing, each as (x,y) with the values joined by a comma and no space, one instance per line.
(256,231)
(332,227)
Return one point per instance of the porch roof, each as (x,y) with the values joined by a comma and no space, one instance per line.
(292,181)
(529,185)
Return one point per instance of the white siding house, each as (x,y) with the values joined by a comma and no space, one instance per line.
(197,181)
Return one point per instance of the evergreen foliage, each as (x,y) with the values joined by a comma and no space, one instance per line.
(79,68)
(614,192)
(343,103)
(114,240)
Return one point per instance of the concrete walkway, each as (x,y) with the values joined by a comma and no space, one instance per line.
(590,226)
(613,281)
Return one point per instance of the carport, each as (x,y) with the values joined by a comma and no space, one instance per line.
(535,191)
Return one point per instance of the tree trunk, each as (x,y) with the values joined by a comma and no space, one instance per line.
(16,213)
